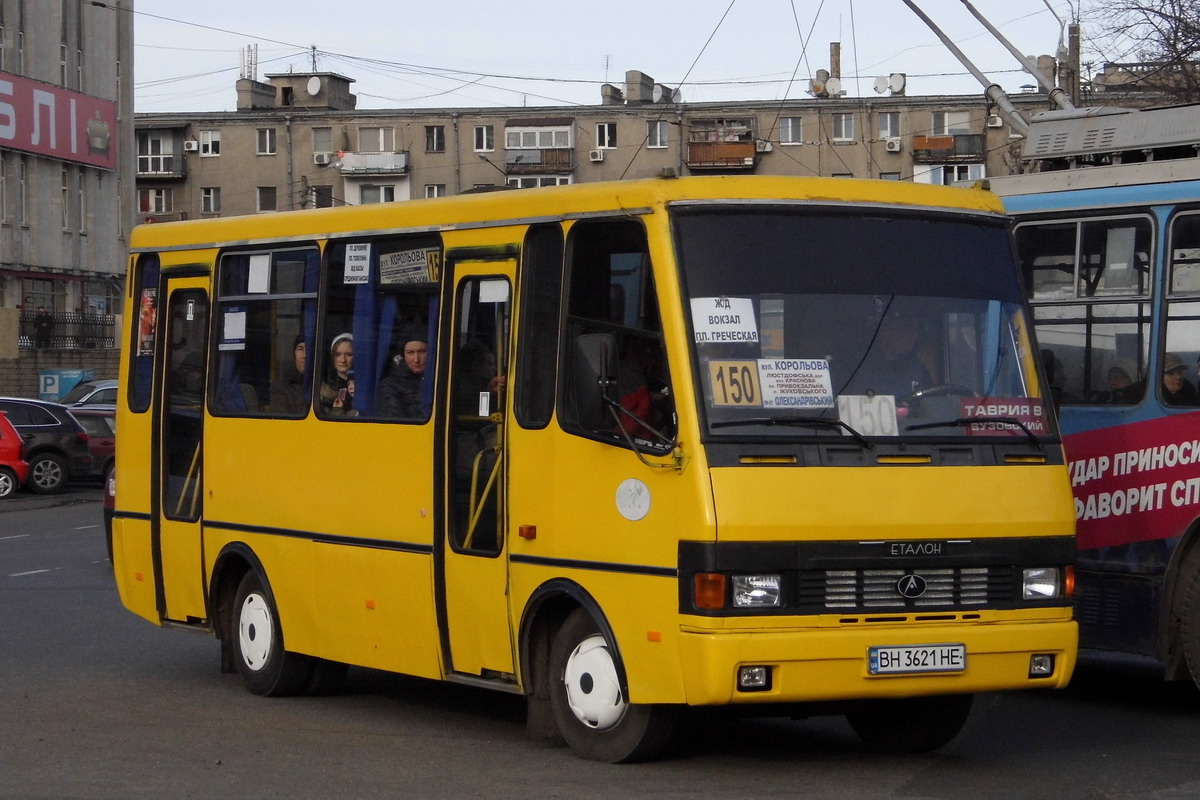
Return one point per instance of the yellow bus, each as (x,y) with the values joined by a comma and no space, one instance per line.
(620,448)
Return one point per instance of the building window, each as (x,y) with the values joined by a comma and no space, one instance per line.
(541,138)
(656,133)
(62,64)
(266,141)
(322,196)
(155,153)
(210,143)
(889,124)
(48,293)
(889,176)
(435,190)
(154,201)
(843,127)
(435,138)
(375,140)
(791,131)
(606,135)
(322,140)
(101,297)
(266,198)
(81,200)
(949,174)
(485,138)
(951,123)
(376,193)
(66,198)
(535,181)
(210,200)
(23,190)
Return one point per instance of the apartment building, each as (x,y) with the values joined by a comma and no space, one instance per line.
(66,173)
(298,141)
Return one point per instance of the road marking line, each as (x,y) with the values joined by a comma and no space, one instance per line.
(18,536)
(31,572)
(86,527)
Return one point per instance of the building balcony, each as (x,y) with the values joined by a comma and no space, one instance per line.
(372,163)
(167,167)
(533,161)
(948,149)
(163,216)
(722,155)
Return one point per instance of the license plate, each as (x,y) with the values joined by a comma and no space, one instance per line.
(916,658)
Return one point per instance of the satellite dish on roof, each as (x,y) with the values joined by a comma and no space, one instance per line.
(833,87)
(897,82)
(817,86)
(314,86)
(881,84)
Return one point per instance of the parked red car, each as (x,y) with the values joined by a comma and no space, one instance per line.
(101,426)
(13,469)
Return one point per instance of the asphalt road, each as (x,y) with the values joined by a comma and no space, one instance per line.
(97,703)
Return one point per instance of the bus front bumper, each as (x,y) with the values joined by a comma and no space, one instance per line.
(819,664)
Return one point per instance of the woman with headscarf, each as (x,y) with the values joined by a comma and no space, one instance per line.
(337,389)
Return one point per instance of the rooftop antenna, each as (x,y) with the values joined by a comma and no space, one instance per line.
(1057,95)
(312,54)
(992,91)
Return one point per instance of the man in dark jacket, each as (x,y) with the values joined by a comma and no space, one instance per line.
(399,394)
(288,394)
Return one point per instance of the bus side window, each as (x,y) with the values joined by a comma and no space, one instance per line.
(377,291)
(611,291)
(266,305)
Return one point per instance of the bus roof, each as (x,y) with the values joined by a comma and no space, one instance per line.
(552,203)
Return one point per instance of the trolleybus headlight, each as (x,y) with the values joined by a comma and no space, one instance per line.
(1040,583)
(756,591)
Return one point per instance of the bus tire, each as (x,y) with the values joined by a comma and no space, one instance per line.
(910,724)
(590,708)
(265,666)
(1189,622)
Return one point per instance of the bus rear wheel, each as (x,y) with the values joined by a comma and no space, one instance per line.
(910,724)
(265,666)
(589,705)
(1189,625)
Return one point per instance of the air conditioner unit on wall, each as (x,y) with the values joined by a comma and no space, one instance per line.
(321,159)
(995,121)
(190,145)
(892,145)
(595,155)
(763,146)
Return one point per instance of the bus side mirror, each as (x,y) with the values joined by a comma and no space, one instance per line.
(593,367)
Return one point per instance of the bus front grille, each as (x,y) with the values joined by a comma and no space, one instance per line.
(867,590)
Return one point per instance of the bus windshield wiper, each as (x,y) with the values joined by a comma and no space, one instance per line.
(962,421)
(815,422)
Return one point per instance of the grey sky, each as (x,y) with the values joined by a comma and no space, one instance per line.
(469,53)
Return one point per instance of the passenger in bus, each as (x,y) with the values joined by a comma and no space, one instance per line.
(643,392)
(477,374)
(337,389)
(399,393)
(187,381)
(1176,389)
(287,394)
(1121,387)
(892,365)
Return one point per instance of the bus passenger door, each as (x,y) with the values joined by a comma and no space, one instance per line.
(474,563)
(179,462)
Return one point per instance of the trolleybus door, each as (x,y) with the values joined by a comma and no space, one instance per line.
(474,551)
(178,446)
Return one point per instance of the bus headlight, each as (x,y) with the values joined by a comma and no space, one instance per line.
(1040,583)
(756,591)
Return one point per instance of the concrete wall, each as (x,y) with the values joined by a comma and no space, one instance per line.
(19,377)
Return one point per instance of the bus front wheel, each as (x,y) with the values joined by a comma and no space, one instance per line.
(911,724)
(589,706)
(1189,625)
(264,665)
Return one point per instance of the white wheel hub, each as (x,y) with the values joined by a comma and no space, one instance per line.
(255,631)
(593,689)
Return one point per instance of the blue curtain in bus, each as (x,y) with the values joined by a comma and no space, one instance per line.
(431,356)
(308,317)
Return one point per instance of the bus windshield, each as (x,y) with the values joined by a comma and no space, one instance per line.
(835,322)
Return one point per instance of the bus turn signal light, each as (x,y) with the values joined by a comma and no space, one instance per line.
(708,590)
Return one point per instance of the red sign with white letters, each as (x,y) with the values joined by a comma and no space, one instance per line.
(58,123)
(1135,482)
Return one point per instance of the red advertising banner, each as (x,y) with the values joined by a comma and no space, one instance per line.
(57,123)
(1135,482)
